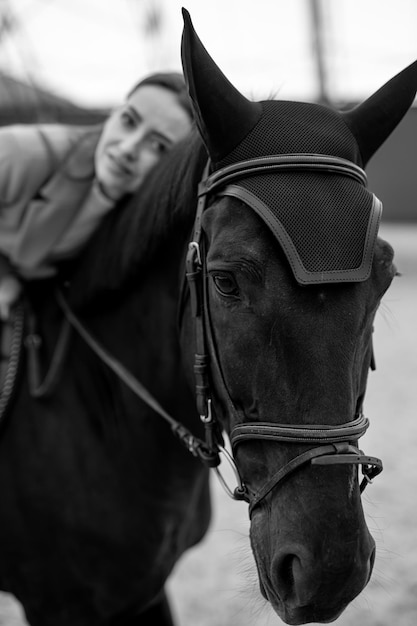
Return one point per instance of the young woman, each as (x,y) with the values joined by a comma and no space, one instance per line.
(57,182)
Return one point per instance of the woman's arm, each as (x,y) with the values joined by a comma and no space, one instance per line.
(24,164)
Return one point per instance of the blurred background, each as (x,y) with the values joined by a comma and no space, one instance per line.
(72,60)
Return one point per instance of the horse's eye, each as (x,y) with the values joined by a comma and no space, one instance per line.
(225,285)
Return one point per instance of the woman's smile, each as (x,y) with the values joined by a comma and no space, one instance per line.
(118,166)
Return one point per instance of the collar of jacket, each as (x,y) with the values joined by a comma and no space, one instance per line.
(78,163)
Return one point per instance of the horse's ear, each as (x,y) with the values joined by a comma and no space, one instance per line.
(374,120)
(223,115)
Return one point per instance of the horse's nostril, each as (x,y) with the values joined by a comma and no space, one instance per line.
(297,576)
(285,575)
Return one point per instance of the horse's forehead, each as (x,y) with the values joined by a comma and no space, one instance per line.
(234,231)
(230,217)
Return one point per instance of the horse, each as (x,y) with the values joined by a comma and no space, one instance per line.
(248,319)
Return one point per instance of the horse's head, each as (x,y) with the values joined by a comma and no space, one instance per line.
(295,274)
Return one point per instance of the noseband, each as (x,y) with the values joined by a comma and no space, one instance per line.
(331,443)
(328,444)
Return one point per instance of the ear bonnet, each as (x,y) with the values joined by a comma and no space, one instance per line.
(303,173)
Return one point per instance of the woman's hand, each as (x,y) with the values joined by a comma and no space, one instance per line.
(10,290)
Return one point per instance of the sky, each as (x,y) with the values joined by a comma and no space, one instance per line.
(93,51)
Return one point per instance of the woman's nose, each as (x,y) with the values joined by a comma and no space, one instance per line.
(130,146)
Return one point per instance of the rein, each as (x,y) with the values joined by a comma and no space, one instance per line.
(193,444)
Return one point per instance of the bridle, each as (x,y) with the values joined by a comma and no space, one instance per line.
(331,444)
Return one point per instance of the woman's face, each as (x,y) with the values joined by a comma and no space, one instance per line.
(135,137)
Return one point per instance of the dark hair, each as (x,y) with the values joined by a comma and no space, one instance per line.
(173,81)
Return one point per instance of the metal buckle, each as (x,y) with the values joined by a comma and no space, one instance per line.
(193,245)
(207,419)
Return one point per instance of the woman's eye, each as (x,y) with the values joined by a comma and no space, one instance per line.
(157,146)
(127,120)
(226,285)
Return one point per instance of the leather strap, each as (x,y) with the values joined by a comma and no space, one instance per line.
(309,433)
(280,162)
(331,454)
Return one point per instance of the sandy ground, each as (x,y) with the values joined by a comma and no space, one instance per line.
(215,584)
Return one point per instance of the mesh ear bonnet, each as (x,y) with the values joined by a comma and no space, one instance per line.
(325,221)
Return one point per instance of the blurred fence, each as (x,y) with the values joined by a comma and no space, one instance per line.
(392,173)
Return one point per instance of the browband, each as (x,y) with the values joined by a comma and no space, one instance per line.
(282,162)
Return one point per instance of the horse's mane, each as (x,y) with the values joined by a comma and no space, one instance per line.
(133,233)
